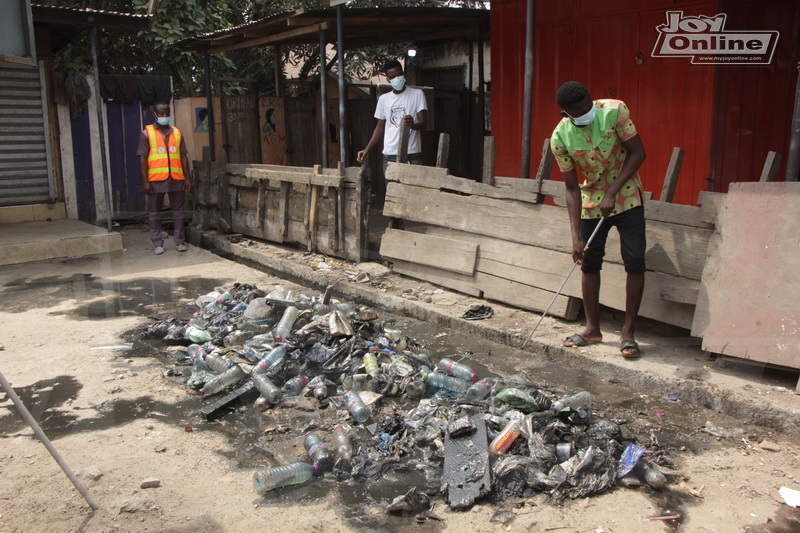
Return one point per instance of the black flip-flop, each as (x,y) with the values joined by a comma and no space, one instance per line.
(629,344)
(574,341)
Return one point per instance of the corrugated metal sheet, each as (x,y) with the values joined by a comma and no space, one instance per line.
(24,150)
(607,47)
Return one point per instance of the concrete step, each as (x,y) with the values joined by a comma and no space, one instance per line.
(35,241)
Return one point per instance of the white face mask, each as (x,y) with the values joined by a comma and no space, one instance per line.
(163,121)
(586,119)
(398,83)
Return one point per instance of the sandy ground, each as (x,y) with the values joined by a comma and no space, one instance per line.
(733,486)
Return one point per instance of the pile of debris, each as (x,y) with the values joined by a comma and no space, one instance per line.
(390,406)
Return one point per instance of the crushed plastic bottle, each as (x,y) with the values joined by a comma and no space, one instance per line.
(572,402)
(358,410)
(268,389)
(443,381)
(459,370)
(319,452)
(218,305)
(269,361)
(503,441)
(344,449)
(284,327)
(347,308)
(371,363)
(479,390)
(295,386)
(268,479)
(649,472)
(230,377)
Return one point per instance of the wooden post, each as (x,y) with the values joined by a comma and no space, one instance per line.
(488,161)
(545,166)
(402,145)
(283,210)
(340,210)
(671,178)
(312,203)
(443,153)
(261,205)
(770,169)
(361,228)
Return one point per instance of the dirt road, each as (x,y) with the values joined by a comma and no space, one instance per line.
(109,412)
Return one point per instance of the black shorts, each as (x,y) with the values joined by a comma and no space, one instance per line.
(633,243)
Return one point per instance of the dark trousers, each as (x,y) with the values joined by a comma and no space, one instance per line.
(633,242)
(155,202)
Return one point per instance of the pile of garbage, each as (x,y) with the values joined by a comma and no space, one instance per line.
(391,406)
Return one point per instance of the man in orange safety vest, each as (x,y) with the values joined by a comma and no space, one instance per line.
(165,171)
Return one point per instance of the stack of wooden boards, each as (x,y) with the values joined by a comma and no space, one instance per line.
(320,209)
(502,243)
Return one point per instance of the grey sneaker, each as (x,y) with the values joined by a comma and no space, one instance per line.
(158,250)
(182,247)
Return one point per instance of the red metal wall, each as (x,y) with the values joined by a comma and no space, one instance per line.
(754,104)
(607,47)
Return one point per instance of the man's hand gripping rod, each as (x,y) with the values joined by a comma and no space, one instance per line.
(585,248)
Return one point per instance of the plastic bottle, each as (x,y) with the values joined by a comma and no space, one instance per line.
(268,389)
(259,313)
(371,363)
(206,299)
(443,381)
(216,306)
(197,353)
(269,479)
(347,308)
(319,354)
(503,441)
(459,370)
(319,452)
(231,376)
(358,410)
(650,473)
(295,386)
(344,449)
(479,390)
(275,356)
(284,327)
(573,402)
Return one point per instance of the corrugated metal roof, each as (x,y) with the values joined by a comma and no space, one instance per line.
(89,10)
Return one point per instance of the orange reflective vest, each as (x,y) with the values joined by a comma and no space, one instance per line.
(164,161)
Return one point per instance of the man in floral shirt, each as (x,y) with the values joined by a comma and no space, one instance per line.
(599,139)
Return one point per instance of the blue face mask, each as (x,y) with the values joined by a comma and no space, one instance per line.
(163,121)
(584,120)
(398,83)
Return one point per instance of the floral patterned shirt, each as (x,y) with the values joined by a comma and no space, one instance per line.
(598,153)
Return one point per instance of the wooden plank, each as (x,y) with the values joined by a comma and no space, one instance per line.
(440,252)
(445,278)
(437,178)
(748,301)
(402,143)
(241,169)
(771,165)
(466,475)
(546,269)
(545,166)
(261,205)
(312,205)
(526,296)
(487,176)
(681,294)
(671,178)
(361,201)
(283,210)
(443,152)
(710,203)
(672,249)
(296,177)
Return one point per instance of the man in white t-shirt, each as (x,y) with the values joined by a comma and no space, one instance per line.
(401,104)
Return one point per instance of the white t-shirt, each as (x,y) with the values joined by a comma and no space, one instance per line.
(392,108)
